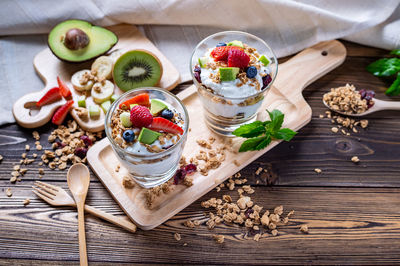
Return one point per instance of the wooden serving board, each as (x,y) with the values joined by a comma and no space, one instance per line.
(49,67)
(286,95)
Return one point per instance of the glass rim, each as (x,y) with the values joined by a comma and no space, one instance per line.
(107,121)
(240,33)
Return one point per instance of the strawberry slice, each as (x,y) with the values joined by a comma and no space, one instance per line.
(162,124)
(65,91)
(221,53)
(51,95)
(140,99)
(61,113)
(238,58)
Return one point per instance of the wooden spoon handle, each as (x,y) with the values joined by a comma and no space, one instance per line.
(131,227)
(81,233)
(387,105)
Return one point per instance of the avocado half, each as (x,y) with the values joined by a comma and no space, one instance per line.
(100,40)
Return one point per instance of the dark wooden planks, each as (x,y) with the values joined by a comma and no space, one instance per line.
(358,223)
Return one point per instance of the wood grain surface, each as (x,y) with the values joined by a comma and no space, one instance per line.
(352,210)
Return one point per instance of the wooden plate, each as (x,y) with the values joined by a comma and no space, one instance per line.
(49,67)
(294,75)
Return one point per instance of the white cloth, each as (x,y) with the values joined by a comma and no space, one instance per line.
(177,26)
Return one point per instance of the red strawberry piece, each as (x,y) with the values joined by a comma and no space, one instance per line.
(162,124)
(141,116)
(140,99)
(61,113)
(65,91)
(221,53)
(238,58)
(51,95)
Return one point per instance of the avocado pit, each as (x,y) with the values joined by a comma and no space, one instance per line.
(76,39)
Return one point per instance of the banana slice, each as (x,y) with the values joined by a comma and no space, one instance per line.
(115,55)
(80,82)
(102,67)
(102,92)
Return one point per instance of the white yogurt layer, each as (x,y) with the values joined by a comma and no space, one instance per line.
(230,88)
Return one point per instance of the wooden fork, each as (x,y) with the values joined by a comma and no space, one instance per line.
(57,196)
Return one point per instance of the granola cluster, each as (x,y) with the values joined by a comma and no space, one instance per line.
(345,125)
(346,100)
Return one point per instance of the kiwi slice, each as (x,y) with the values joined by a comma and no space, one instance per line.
(137,68)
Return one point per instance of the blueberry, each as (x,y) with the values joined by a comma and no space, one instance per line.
(197,69)
(371,93)
(251,72)
(221,44)
(368,97)
(167,114)
(266,80)
(128,135)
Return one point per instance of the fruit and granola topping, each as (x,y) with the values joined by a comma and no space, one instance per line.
(233,69)
(142,125)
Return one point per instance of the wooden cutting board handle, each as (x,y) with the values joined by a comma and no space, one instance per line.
(307,66)
(27,115)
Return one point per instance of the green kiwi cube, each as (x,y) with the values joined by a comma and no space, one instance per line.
(263,59)
(148,136)
(125,118)
(157,106)
(105,106)
(82,101)
(94,111)
(203,62)
(236,43)
(114,97)
(228,73)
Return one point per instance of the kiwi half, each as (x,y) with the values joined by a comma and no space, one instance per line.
(137,68)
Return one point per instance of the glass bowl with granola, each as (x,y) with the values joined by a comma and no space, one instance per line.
(147,129)
(232,71)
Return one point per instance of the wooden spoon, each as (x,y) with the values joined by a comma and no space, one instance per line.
(379,105)
(78,179)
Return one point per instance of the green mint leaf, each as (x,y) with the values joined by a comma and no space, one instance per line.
(285,133)
(384,67)
(276,117)
(395,52)
(394,89)
(255,144)
(251,130)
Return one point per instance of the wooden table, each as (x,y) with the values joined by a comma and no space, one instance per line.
(352,210)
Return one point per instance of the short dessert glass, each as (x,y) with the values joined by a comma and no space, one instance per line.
(225,114)
(150,170)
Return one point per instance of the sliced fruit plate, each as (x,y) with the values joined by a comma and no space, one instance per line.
(285,95)
(92,97)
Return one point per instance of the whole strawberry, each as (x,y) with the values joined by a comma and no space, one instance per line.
(141,116)
(238,58)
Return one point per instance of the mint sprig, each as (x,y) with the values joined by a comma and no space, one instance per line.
(260,134)
(387,67)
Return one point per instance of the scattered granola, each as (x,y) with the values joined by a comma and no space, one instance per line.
(304,228)
(128,182)
(26,201)
(317,170)
(1,158)
(177,236)
(8,192)
(346,124)
(355,159)
(219,238)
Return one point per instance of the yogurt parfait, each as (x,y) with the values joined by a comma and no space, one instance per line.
(147,129)
(232,71)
